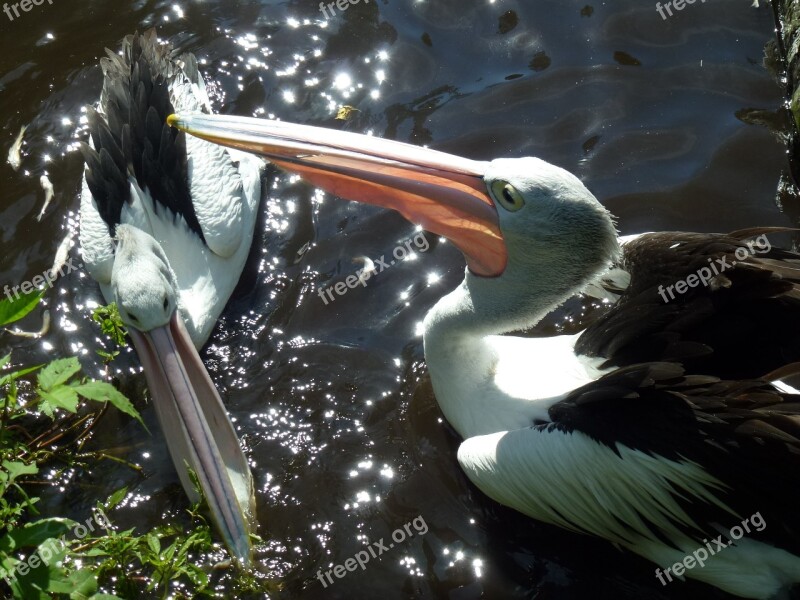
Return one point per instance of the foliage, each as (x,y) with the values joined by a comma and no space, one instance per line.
(47,415)
(111,325)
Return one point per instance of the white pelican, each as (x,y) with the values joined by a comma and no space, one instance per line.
(666,426)
(166,226)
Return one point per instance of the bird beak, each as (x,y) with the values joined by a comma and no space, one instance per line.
(189,410)
(443,193)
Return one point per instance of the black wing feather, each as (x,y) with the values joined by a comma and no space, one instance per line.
(744,324)
(693,375)
(744,433)
(131,137)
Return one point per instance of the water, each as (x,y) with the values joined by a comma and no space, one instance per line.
(333,400)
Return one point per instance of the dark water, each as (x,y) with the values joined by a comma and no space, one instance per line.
(342,429)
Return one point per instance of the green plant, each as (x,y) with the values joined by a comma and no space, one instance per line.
(47,417)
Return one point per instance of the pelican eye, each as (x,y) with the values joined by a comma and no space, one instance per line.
(508,196)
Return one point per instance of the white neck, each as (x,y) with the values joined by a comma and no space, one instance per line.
(478,393)
(556,243)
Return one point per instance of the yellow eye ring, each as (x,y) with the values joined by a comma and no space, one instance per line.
(507,196)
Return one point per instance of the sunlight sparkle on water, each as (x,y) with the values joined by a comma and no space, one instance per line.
(410,562)
(477,566)
(342,81)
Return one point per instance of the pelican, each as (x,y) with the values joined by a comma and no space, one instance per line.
(670,423)
(165,229)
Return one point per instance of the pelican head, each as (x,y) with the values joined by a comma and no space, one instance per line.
(142,282)
(557,237)
(547,214)
(519,222)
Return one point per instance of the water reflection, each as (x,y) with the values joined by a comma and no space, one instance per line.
(333,402)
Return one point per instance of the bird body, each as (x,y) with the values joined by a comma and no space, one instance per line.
(166,227)
(657,457)
(667,423)
(198,200)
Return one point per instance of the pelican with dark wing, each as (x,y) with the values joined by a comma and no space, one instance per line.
(166,226)
(670,422)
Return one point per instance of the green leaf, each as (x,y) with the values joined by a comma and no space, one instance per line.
(14,375)
(110,322)
(24,590)
(154,543)
(109,356)
(84,584)
(101,391)
(197,576)
(13,469)
(57,372)
(62,583)
(35,534)
(14,310)
(115,498)
(31,578)
(105,597)
(61,397)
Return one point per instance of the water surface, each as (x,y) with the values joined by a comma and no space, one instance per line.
(333,401)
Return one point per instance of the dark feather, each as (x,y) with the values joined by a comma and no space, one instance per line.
(693,374)
(744,323)
(744,433)
(131,137)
